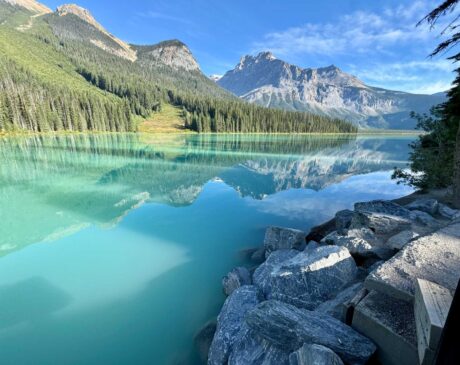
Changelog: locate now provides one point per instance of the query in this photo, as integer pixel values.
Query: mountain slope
(271, 82)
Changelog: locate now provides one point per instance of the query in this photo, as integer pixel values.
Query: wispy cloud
(358, 32)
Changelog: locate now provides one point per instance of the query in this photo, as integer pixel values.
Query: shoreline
(344, 278)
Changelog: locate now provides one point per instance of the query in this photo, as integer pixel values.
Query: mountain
(271, 82)
(63, 70)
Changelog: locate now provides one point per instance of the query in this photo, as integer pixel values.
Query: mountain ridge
(266, 80)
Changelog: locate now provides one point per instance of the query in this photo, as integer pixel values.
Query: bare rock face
(229, 322)
(289, 327)
(278, 238)
(359, 241)
(172, 53)
(236, 278)
(31, 5)
(434, 257)
(311, 354)
(429, 206)
(310, 278)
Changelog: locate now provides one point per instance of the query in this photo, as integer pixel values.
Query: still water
(112, 247)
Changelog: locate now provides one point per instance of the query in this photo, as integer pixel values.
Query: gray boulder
(343, 220)
(261, 277)
(229, 322)
(399, 240)
(380, 223)
(424, 219)
(312, 354)
(289, 327)
(203, 340)
(447, 212)
(310, 278)
(434, 257)
(334, 307)
(250, 349)
(359, 242)
(236, 278)
(278, 238)
(258, 256)
(311, 246)
(426, 205)
(383, 207)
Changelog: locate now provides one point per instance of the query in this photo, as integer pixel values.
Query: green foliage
(432, 156)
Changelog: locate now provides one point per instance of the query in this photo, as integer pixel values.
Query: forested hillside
(63, 71)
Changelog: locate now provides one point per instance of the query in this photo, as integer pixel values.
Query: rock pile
(345, 298)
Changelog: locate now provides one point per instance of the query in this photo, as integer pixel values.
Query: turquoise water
(112, 247)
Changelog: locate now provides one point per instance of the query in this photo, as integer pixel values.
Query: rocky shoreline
(342, 294)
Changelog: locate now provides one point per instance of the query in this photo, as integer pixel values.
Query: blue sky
(374, 40)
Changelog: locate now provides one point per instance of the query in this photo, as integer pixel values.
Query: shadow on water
(30, 301)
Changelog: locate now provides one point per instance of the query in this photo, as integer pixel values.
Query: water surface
(112, 246)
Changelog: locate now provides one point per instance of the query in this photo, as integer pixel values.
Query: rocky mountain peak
(115, 46)
(172, 53)
(31, 5)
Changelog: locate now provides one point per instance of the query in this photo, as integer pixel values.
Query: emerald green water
(112, 247)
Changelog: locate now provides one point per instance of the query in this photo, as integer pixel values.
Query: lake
(113, 246)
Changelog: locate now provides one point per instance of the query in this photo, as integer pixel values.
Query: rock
(447, 212)
(382, 206)
(358, 241)
(426, 205)
(236, 278)
(203, 340)
(250, 349)
(258, 256)
(380, 223)
(310, 278)
(375, 266)
(261, 277)
(349, 306)
(399, 240)
(312, 354)
(343, 220)
(277, 238)
(390, 324)
(424, 219)
(311, 246)
(334, 307)
(317, 233)
(431, 306)
(229, 322)
(434, 257)
(289, 327)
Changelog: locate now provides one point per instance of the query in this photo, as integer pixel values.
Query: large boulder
(426, 205)
(289, 327)
(434, 257)
(334, 307)
(399, 240)
(380, 223)
(236, 278)
(359, 241)
(251, 349)
(261, 276)
(424, 219)
(383, 207)
(343, 220)
(310, 278)
(448, 212)
(229, 322)
(312, 354)
(278, 238)
(203, 340)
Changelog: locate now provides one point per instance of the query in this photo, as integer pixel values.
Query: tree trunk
(456, 182)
